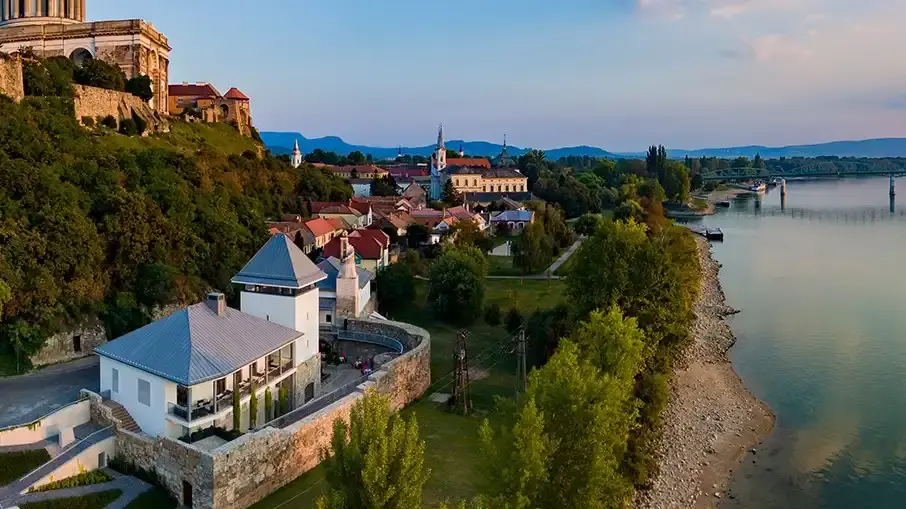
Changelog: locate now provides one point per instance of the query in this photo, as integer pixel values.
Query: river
(822, 340)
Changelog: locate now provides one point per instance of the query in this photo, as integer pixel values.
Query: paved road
(28, 397)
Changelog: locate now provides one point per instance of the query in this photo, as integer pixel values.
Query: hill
(282, 143)
(98, 224)
(880, 147)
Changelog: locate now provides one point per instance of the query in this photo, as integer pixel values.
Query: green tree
(533, 249)
(140, 86)
(457, 285)
(395, 287)
(758, 162)
(356, 158)
(98, 73)
(629, 210)
(513, 320)
(268, 404)
(237, 409)
(283, 396)
(376, 461)
(676, 182)
(253, 406)
(450, 195)
(383, 187)
(492, 314)
(5, 295)
(587, 224)
(417, 234)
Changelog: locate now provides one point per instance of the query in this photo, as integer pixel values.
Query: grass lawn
(453, 450)
(155, 498)
(14, 465)
(219, 137)
(502, 266)
(98, 500)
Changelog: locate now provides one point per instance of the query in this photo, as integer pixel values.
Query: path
(71, 451)
(130, 486)
(28, 397)
(549, 273)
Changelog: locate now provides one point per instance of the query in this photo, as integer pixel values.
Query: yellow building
(487, 180)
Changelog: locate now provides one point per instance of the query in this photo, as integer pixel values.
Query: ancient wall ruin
(74, 343)
(11, 77)
(97, 103)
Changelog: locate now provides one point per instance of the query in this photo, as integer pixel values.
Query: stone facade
(133, 45)
(75, 343)
(11, 77)
(97, 103)
(309, 372)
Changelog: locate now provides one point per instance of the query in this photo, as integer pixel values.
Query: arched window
(507, 188)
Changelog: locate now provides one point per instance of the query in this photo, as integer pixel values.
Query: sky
(617, 74)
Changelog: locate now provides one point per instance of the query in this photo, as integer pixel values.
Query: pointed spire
(440, 136)
(461, 151)
(296, 146)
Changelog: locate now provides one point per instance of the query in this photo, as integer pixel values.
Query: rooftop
(279, 263)
(234, 93)
(331, 267)
(196, 344)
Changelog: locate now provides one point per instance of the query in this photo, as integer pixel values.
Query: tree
(533, 249)
(758, 162)
(283, 395)
(587, 224)
(452, 154)
(253, 406)
(451, 196)
(416, 235)
(676, 182)
(513, 320)
(656, 162)
(268, 404)
(383, 186)
(237, 416)
(353, 173)
(356, 158)
(98, 73)
(456, 288)
(140, 86)
(395, 287)
(467, 233)
(376, 461)
(492, 314)
(629, 210)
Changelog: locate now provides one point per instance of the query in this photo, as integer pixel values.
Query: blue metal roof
(331, 267)
(279, 263)
(514, 215)
(196, 344)
(327, 303)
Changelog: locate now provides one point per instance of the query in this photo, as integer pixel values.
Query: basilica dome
(41, 12)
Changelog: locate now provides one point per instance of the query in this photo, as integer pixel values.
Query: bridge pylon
(893, 187)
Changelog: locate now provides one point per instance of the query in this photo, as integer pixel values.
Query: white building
(178, 374)
(296, 158)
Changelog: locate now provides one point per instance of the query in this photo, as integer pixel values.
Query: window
(327, 319)
(220, 386)
(77, 344)
(115, 380)
(144, 392)
(182, 396)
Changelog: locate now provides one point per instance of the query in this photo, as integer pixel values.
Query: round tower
(41, 12)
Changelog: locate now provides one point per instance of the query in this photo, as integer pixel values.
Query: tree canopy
(457, 287)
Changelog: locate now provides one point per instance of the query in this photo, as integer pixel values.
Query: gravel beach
(711, 422)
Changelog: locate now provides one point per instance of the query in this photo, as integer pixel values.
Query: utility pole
(462, 399)
(521, 377)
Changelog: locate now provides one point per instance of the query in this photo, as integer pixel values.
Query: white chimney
(216, 301)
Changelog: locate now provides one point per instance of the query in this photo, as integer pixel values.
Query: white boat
(758, 187)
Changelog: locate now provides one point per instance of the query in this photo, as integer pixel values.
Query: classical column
(84, 10)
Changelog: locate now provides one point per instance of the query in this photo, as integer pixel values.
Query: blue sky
(618, 74)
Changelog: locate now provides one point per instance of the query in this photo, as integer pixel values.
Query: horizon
(709, 73)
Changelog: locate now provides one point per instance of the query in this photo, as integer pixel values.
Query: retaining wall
(52, 424)
(61, 347)
(85, 461)
(97, 103)
(11, 83)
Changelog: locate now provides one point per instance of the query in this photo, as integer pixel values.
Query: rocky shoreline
(711, 421)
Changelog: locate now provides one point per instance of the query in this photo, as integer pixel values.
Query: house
(204, 102)
(371, 252)
(179, 374)
(364, 207)
(354, 213)
(396, 220)
(462, 213)
(416, 195)
(321, 230)
(513, 221)
(510, 204)
(378, 235)
(335, 270)
(293, 226)
(438, 222)
(353, 171)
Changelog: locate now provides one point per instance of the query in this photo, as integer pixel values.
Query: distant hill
(282, 143)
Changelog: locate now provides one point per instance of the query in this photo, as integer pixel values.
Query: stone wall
(97, 103)
(11, 77)
(61, 347)
(306, 373)
(256, 464)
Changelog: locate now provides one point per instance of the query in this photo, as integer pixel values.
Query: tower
(438, 163)
(296, 158)
(462, 153)
(347, 281)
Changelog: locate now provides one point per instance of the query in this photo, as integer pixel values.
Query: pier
(708, 233)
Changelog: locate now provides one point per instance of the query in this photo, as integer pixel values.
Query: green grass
(98, 500)
(14, 465)
(453, 451)
(83, 479)
(185, 136)
(155, 498)
(502, 266)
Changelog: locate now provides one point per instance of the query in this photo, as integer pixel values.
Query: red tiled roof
(319, 227)
(234, 93)
(337, 223)
(361, 205)
(382, 238)
(468, 161)
(408, 172)
(318, 206)
(193, 90)
(366, 247)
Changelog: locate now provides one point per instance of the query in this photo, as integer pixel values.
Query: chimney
(217, 302)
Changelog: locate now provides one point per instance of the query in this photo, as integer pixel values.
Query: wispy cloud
(663, 10)
(732, 8)
(778, 47)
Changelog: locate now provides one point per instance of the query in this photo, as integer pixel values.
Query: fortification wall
(97, 103)
(256, 464)
(11, 84)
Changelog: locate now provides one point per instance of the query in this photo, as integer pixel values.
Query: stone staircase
(121, 416)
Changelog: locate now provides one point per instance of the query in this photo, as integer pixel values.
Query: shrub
(284, 400)
(513, 320)
(88, 121)
(128, 127)
(492, 315)
(90, 501)
(212, 431)
(97, 73)
(109, 121)
(237, 409)
(14, 465)
(253, 408)
(83, 479)
(140, 125)
(268, 404)
(140, 86)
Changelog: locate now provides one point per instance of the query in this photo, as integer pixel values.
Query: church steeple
(296, 159)
(440, 137)
(461, 151)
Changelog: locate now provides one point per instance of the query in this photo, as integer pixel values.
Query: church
(59, 28)
(475, 177)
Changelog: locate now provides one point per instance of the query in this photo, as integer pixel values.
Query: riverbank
(712, 422)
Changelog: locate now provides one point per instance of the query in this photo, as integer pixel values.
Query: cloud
(732, 8)
(663, 10)
(778, 47)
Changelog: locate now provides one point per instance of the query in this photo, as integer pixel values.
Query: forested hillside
(94, 223)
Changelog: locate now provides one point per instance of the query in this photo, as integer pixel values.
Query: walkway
(68, 453)
(549, 273)
(130, 486)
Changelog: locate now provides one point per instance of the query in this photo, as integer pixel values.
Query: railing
(367, 337)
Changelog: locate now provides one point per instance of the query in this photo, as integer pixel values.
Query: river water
(821, 283)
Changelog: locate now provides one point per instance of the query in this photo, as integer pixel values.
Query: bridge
(806, 171)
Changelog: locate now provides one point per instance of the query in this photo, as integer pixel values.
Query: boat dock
(708, 233)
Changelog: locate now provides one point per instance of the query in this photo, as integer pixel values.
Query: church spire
(503, 153)
(440, 136)
(296, 159)
(461, 151)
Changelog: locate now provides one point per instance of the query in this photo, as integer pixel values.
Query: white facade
(364, 297)
(123, 381)
(298, 312)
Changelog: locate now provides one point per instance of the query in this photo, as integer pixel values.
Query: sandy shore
(711, 422)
